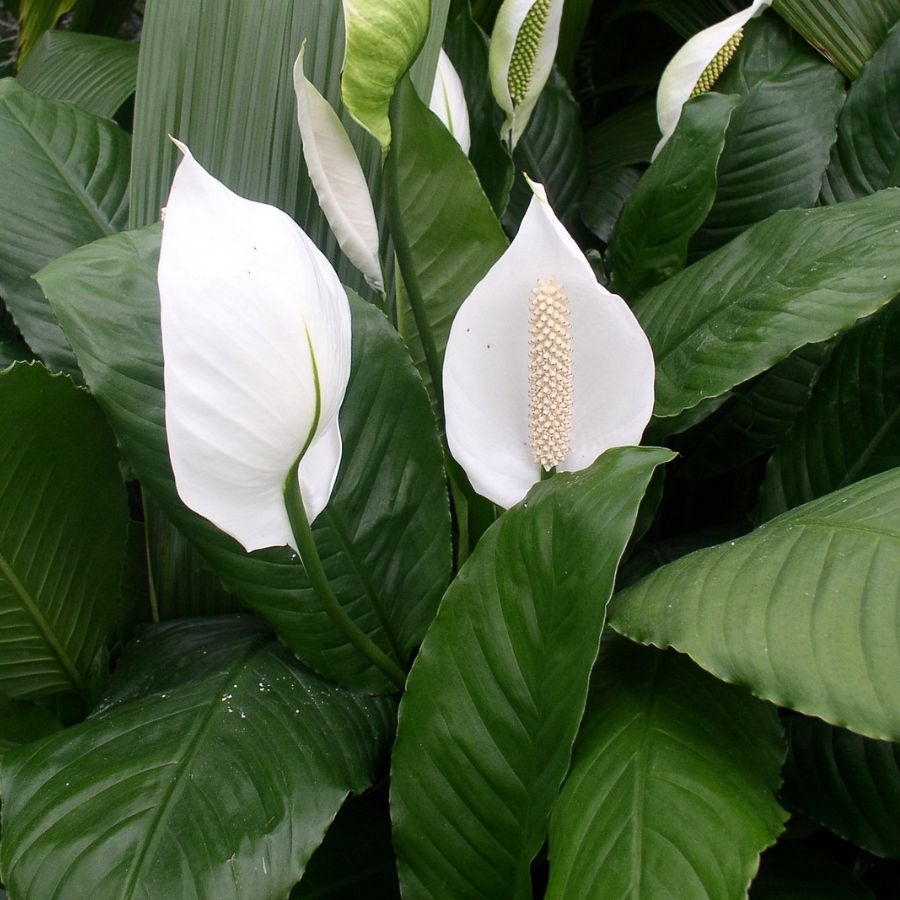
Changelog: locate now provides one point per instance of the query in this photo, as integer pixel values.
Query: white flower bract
(519, 390)
(256, 347)
(448, 102)
(683, 72)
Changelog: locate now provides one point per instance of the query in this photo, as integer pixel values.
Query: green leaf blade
(800, 277)
(62, 534)
(665, 793)
(494, 698)
(802, 611)
(132, 803)
(63, 183)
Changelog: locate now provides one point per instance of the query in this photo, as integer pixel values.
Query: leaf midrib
(43, 627)
(177, 784)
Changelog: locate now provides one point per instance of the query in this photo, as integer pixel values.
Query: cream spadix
(256, 348)
(448, 102)
(544, 367)
(696, 66)
(337, 177)
(523, 46)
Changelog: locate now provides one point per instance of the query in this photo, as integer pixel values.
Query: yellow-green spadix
(544, 367)
(256, 348)
(523, 45)
(696, 66)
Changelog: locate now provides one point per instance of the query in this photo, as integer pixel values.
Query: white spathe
(337, 176)
(448, 102)
(486, 364)
(256, 350)
(507, 25)
(685, 68)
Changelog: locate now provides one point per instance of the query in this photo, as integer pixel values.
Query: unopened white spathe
(606, 391)
(448, 102)
(256, 348)
(685, 68)
(523, 46)
(337, 176)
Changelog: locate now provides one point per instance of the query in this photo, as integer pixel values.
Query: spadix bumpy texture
(544, 367)
(256, 348)
(523, 45)
(696, 67)
(448, 102)
(337, 176)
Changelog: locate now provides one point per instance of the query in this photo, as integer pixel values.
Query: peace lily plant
(696, 67)
(305, 595)
(545, 369)
(255, 330)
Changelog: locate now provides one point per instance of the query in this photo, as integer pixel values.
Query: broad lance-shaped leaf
(803, 610)
(850, 428)
(650, 241)
(383, 37)
(22, 723)
(798, 278)
(495, 696)
(385, 536)
(777, 145)
(849, 783)
(444, 246)
(671, 791)
(63, 183)
(211, 769)
(97, 74)
(866, 156)
(62, 534)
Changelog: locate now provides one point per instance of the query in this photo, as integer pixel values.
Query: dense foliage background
(179, 718)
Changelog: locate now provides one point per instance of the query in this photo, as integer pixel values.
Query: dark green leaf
(866, 156)
(62, 533)
(63, 183)
(12, 346)
(211, 769)
(802, 611)
(445, 244)
(690, 16)
(22, 723)
(605, 197)
(96, 74)
(849, 783)
(851, 427)
(385, 537)
(756, 415)
(626, 138)
(35, 17)
(495, 696)
(666, 795)
(650, 241)
(780, 136)
(551, 152)
(467, 47)
(848, 32)
(798, 278)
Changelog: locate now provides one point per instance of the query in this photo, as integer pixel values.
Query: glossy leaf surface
(666, 795)
(494, 698)
(802, 610)
(798, 278)
(211, 768)
(385, 536)
(849, 783)
(96, 74)
(850, 428)
(650, 241)
(62, 533)
(63, 183)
